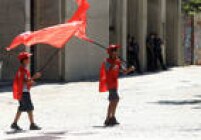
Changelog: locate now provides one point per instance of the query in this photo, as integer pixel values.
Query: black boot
(34, 127)
(14, 126)
(164, 68)
(113, 121)
(107, 122)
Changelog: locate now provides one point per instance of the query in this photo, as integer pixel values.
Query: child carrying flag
(21, 91)
(109, 73)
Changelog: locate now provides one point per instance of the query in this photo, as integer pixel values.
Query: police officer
(134, 47)
(150, 43)
(158, 53)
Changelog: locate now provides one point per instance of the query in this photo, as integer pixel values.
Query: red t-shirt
(112, 72)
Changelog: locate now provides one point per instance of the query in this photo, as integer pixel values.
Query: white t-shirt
(25, 89)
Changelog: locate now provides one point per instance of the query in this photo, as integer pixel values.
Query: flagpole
(49, 60)
(103, 47)
(58, 50)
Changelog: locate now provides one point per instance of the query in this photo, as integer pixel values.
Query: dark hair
(21, 61)
(114, 50)
(128, 36)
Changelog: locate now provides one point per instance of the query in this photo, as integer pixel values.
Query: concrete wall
(132, 17)
(161, 16)
(118, 15)
(83, 59)
(157, 20)
(12, 23)
(137, 25)
(173, 33)
(153, 16)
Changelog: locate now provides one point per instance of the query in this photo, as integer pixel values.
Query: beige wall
(83, 59)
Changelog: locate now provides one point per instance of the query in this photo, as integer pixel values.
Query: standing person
(150, 52)
(21, 91)
(129, 50)
(158, 53)
(109, 82)
(135, 53)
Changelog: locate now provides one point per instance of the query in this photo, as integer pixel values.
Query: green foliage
(191, 7)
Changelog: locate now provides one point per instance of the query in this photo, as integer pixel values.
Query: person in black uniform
(158, 53)
(135, 49)
(150, 43)
(129, 50)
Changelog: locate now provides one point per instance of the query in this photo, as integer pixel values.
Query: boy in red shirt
(21, 91)
(109, 81)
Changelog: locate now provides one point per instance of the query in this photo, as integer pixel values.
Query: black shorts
(25, 104)
(113, 95)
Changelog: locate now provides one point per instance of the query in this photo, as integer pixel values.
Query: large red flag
(55, 36)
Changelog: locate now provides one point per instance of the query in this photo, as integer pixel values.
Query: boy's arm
(127, 71)
(28, 80)
(31, 80)
(36, 76)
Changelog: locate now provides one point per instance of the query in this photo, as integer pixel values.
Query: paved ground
(165, 106)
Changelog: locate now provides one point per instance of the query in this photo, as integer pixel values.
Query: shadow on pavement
(5, 89)
(135, 74)
(198, 96)
(37, 138)
(174, 102)
(192, 130)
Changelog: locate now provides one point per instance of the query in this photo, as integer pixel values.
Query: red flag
(79, 2)
(81, 15)
(55, 36)
(103, 79)
(81, 33)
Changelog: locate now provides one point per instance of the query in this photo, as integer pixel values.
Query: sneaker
(34, 127)
(14, 126)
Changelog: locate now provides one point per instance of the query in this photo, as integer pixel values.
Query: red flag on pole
(57, 35)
